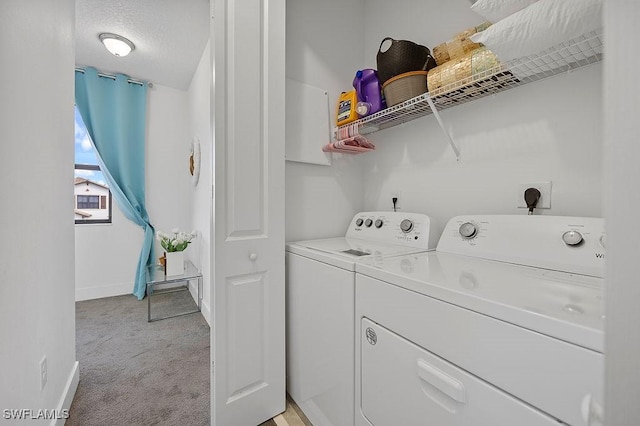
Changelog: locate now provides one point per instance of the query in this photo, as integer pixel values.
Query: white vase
(174, 263)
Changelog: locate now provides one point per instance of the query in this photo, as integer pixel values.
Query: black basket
(401, 57)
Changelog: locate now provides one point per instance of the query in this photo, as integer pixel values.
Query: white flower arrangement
(176, 241)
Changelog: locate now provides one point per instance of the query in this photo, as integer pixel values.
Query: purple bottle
(369, 92)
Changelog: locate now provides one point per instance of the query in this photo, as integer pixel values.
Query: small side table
(158, 283)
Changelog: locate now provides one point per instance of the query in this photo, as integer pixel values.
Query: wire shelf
(564, 57)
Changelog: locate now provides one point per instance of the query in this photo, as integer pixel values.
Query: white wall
(622, 150)
(199, 111)
(169, 190)
(320, 200)
(546, 131)
(107, 255)
(37, 312)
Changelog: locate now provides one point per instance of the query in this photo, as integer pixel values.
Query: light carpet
(133, 372)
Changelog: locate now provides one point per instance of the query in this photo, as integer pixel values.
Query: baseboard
(206, 312)
(88, 293)
(204, 308)
(69, 392)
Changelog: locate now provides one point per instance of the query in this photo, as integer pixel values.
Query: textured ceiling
(169, 35)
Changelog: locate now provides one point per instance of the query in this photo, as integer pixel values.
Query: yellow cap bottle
(347, 108)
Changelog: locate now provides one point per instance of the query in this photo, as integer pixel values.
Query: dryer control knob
(468, 230)
(406, 226)
(603, 240)
(379, 223)
(572, 238)
(368, 223)
(359, 222)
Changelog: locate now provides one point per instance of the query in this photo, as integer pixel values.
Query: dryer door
(404, 384)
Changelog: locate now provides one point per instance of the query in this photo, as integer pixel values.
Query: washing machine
(501, 325)
(320, 307)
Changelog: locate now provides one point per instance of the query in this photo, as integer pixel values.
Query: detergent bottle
(369, 92)
(347, 108)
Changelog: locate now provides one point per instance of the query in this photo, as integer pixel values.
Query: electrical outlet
(396, 194)
(545, 194)
(43, 372)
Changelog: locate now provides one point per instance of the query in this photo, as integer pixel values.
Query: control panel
(401, 228)
(562, 243)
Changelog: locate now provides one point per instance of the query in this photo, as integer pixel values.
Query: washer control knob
(572, 238)
(468, 230)
(379, 223)
(406, 226)
(368, 223)
(359, 222)
(603, 240)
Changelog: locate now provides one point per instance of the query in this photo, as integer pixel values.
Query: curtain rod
(113, 77)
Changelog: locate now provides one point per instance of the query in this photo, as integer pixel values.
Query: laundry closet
(474, 158)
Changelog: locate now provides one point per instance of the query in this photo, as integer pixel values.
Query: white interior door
(247, 340)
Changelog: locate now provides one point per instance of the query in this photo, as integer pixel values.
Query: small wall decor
(194, 161)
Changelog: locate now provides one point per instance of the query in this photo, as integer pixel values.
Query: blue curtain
(114, 112)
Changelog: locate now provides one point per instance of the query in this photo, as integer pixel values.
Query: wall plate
(545, 194)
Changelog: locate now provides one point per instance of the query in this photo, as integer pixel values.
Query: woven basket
(401, 57)
(461, 70)
(404, 86)
(458, 46)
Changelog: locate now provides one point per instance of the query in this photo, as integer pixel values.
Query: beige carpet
(133, 372)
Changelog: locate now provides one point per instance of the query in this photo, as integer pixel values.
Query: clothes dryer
(502, 324)
(320, 307)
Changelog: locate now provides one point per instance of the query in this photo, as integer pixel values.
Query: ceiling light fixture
(117, 45)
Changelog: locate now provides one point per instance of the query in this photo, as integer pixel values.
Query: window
(88, 202)
(92, 195)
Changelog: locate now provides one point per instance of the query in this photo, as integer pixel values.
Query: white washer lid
(563, 305)
(345, 252)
